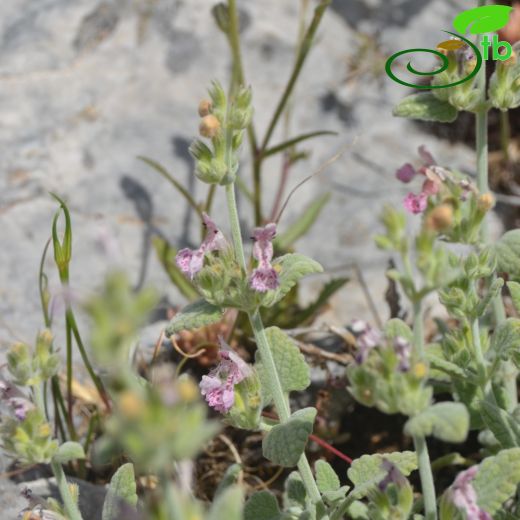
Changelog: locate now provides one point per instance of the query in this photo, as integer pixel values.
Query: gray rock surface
(87, 86)
(91, 497)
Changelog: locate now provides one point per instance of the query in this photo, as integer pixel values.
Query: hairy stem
(70, 506)
(425, 473)
(421, 448)
(280, 400)
(483, 185)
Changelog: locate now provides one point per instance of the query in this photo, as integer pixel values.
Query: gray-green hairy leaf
(426, 107)
(326, 477)
(292, 267)
(504, 426)
(497, 479)
(448, 422)
(69, 451)
(514, 289)
(398, 328)
(229, 478)
(508, 253)
(193, 316)
(285, 443)
(505, 340)
(228, 505)
(293, 371)
(367, 471)
(121, 491)
(262, 506)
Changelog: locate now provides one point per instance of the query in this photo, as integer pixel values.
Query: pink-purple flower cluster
(367, 338)
(464, 496)
(264, 277)
(413, 203)
(15, 399)
(191, 261)
(218, 387)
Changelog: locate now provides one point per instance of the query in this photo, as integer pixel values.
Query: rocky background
(86, 86)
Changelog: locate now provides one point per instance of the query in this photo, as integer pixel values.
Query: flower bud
(485, 202)
(440, 218)
(209, 126)
(205, 107)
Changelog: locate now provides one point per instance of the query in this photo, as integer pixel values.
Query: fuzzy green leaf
(122, 489)
(292, 267)
(69, 451)
(497, 479)
(295, 494)
(508, 253)
(396, 327)
(293, 371)
(504, 426)
(514, 289)
(230, 478)
(426, 107)
(228, 505)
(505, 340)
(326, 477)
(193, 316)
(367, 471)
(262, 506)
(285, 443)
(448, 422)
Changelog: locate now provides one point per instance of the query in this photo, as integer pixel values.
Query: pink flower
(415, 203)
(15, 399)
(406, 173)
(464, 496)
(264, 277)
(403, 349)
(218, 386)
(430, 187)
(426, 157)
(367, 338)
(191, 261)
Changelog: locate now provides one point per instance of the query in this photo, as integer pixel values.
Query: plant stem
(421, 448)
(239, 76)
(71, 320)
(483, 186)
(70, 506)
(425, 473)
(280, 400)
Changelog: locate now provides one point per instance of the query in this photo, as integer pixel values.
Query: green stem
(418, 329)
(280, 400)
(426, 475)
(71, 320)
(421, 448)
(71, 507)
(239, 77)
(483, 186)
